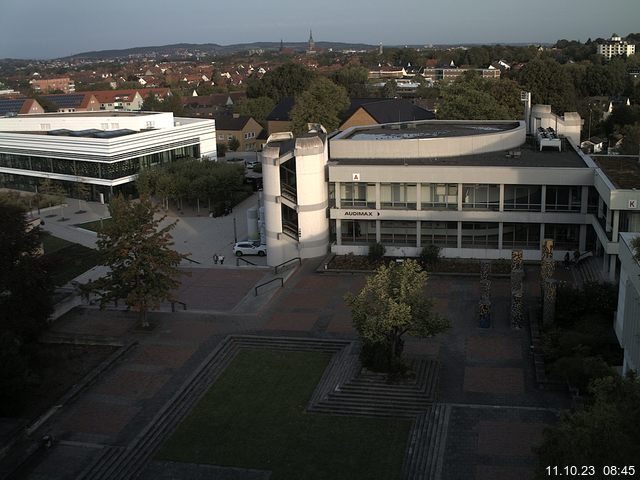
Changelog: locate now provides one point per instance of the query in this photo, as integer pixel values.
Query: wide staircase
(588, 270)
(347, 389)
(117, 462)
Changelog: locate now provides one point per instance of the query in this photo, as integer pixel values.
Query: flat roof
(100, 113)
(529, 156)
(428, 129)
(622, 171)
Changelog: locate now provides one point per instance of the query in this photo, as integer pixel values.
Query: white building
(616, 46)
(105, 150)
(477, 189)
(627, 322)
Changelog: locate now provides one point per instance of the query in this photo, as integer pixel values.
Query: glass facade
(480, 235)
(521, 235)
(442, 234)
(481, 197)
(358, 195)
(358, 232)
(523, 197)
(439, 195)
(99, 169)
(398, 195)
(565, 237)
(563, 199)
(397, 232)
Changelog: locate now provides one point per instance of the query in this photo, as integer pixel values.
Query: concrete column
(582, 238)
(616, 225)
(600, 206)
(459, 234)
(541, 235)
(378, 232)
(612, 267)
(460, 195)
(378, 203)
(543, 203)
(418, 228)
(608, 221)
(501, 203)
(584, 202)
(337, 190)
(419, 196)
(338, 232)
(500, 231)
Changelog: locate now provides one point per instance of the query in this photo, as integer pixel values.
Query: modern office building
(105, 150)
(477, 189)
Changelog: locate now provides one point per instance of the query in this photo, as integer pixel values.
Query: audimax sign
(361, 213)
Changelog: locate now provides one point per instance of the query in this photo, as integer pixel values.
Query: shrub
(430, 255)
(376, 251)
(580, 371)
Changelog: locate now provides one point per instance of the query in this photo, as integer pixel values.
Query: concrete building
(477, 189)
(627, 321)
(64, 84)
(616, 46)
(105, 150)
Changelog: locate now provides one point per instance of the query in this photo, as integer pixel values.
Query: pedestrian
(215, 258)
(221, 258)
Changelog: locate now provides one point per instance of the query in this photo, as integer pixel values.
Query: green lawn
(253, 417)
(95, 225)
(66, 260)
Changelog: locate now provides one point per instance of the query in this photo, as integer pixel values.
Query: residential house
(376, 111)
(64, 84)
(19, 106)
(241, 127)
(616, 46)
(73, 102)
(279, 120)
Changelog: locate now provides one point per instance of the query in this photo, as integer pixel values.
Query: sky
(43, 29)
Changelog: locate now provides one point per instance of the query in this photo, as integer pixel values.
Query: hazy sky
(55, 28)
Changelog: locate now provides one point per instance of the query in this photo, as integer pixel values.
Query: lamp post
(235, 231)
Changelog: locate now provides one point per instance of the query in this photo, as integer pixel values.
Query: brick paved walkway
(486, 367)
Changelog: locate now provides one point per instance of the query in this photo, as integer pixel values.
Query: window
(563, 199)
(439, 195)
(229, 137)
(521, 235)
(479, 235)
(481, 197)
(565, 237)
(523, 197)
(398, 195)
(394, 232)
(358, 232)
(442, 234)
(357, 195)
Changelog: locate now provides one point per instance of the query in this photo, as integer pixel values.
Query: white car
(248, 248)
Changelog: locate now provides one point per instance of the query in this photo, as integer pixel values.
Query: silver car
(248, 248)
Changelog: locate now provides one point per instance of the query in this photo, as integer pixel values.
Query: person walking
(221, 258)
(215, 258)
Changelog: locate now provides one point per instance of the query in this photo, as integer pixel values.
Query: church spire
(312, 44)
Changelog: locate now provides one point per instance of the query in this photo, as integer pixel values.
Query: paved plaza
(486, 377)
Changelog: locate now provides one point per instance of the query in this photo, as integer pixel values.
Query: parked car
(250, 164)
(248, 248)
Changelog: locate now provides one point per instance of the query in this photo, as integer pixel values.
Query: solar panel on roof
(65, 101)
(11, 106)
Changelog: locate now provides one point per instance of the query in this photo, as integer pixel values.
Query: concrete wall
(343, 147)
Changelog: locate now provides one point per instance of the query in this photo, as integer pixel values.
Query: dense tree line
(216, 186)
(25, 304)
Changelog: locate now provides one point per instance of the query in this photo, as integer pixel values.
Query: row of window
(473, 196)
(109, 171)
(445, 234)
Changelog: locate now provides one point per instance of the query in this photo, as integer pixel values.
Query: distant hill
(213, 49)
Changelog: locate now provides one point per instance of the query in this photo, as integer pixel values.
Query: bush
(221, 149)
(430, 255)
(377, 357)
(574, 303)
(580, 371)
(376, 251)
